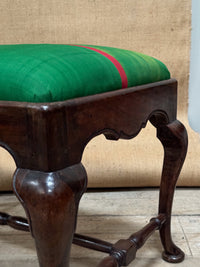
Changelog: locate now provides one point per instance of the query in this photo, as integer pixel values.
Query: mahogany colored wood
(51, 202)
(174, 139)
(51, 136)
(22, 224)
(109, 261)
(92, 243)
(17, 223)
(47, 141)
(124, 250)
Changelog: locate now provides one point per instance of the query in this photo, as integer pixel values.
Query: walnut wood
(47, 141)
(141, 236)
(51, 136)
(138, 238)
(51, 201)
(20, 223)
(17, 223)
(92, 243)
(174, 139)
(124, 250)
(109, 261)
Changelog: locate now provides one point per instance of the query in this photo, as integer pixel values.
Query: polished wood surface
(47, 141)
(174, 139)
(51, 136)
(51, 202)
(103, 215)
(124, 251)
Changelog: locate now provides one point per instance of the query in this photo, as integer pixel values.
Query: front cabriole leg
(51, 202)
(174, 140)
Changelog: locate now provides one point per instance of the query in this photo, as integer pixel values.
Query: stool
(54, 100)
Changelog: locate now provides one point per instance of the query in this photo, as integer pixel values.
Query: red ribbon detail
(119, 67)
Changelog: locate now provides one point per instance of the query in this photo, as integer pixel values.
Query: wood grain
(47, 141)
(160, 29)
(109, 223)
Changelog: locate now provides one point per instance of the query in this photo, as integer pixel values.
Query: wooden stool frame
(47, 141)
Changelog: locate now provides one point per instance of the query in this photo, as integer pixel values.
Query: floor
(104, 215)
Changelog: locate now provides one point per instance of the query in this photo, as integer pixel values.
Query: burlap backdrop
(155, 27)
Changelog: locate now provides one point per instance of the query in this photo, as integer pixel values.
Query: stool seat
(47, 138)
(50, 72)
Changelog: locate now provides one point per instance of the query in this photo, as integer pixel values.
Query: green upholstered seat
(49, 72)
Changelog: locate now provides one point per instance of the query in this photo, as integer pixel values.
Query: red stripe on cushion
(119, 67)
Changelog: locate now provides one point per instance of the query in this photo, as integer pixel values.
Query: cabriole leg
(174, 139)
(51, 202)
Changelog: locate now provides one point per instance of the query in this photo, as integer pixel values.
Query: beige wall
(156, 27)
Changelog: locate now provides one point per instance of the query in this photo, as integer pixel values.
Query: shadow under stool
(54, 100)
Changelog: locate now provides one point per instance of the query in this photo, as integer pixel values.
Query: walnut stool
(54, 100)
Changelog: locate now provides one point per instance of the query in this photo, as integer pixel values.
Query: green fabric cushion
(49, 72)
